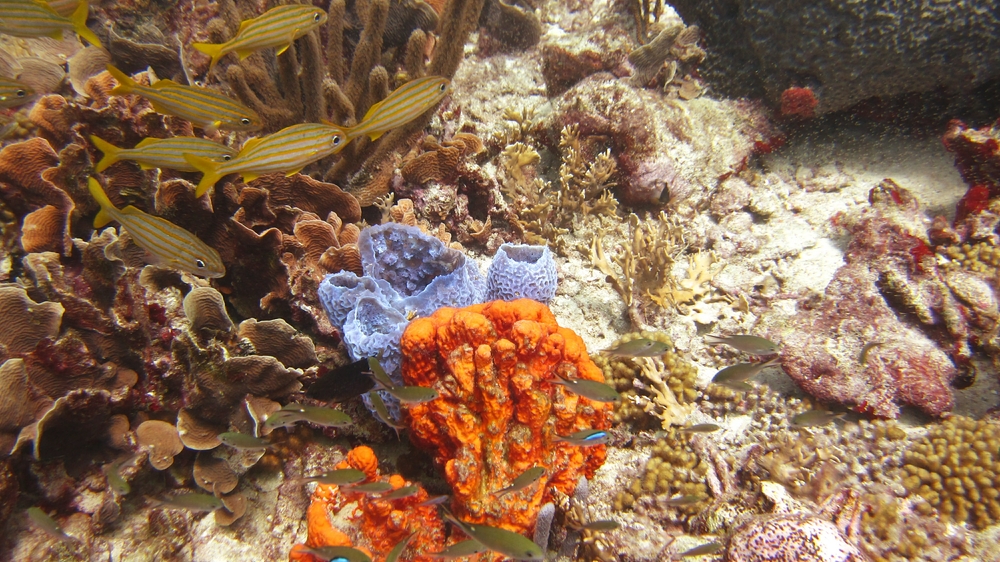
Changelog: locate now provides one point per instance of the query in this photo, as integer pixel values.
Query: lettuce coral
(498, 413)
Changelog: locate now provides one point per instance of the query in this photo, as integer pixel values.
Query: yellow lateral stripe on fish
(288, 151)
(166, 243)
(277, 27)
(14, 93)
(163, 153)
(403, 105)
(37, 19)
(200, 106)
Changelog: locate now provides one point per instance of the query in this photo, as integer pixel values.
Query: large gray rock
(847, 50)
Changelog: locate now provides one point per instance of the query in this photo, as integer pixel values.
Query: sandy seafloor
(799, 251)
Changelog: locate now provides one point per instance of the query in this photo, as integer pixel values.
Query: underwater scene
(485, 280)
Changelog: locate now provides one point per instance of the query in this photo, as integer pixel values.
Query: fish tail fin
(125, 83)
(97, 192)
(79, 19)
(213, 50)
(111, 153)
(209, 170)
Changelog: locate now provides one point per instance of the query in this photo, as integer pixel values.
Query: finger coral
(498, 414)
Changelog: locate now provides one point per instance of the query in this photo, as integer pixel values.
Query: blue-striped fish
(166, 243)
(201, 106)
(403, 105)
(37, 19)
(163, 153)
(288, 151)
(277, 27)
(14, 93)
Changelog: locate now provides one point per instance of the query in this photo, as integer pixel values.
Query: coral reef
(498, 414)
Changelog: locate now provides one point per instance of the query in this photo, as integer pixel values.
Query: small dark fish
(343, 383)
(435, 500)
(863, 356)
(701, 428)
(596, 391)
(586, 437)
(340, 477)
(337, 553)
(413, 394)
(815, 418)
(191, 502)
(399, 548)
(527, 478)
(318, 415)
(741, 372)
(371, 488)
(400, 493)
(378, 373)
(679, 501)
(499, 540)
(238, 440)
(639, 347)
(747, 344)
(600, 526)
(460, 550)
(46, 523)
(709, 548)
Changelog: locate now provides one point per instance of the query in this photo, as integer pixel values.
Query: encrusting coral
(498, 414)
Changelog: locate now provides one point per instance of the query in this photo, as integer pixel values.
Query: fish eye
(245, 121)
(226, 158)
(21, 93)
(336, 140)
(199, 264)
(316, 17)
(442, 87)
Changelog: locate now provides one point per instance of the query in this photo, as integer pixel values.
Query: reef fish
(287, 151)
(238, 440)
(412, 394)
(36, 19)
(371, 488)
(600, 526)
(526, 478)
(586, 437)
(191, 502)
(201, 106)
(343, 383)
(401, 493)
(747, 344)
(378, 373)
(679, 501)
(397, 550)
(327, 417)
(596, 391)
(505, 542)
(14, 93)
(815, 418)
(46, 523)
(166, 243)
(282, 418)
(115, 480)
(701, 428)
(863, 356)
(639, 347)
(383, 413)
(339, 477)
(277, 27)
(708, 548)
(460, 550)
(162, 153)
(404, 104)
(741, 372)
(337, 553)
(435, 500)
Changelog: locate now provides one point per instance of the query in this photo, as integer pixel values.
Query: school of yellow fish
(287, 151)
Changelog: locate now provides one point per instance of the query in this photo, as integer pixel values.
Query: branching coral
(498, 414)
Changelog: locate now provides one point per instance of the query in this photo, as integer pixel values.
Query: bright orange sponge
(498, 415)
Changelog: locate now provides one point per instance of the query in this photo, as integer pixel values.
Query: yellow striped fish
(163, 153)
(37, 19)
(289, 150)
(63, 7)
(403, 105)
(14, 93)
(166, 243)
(200, 106)
(277, 27)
